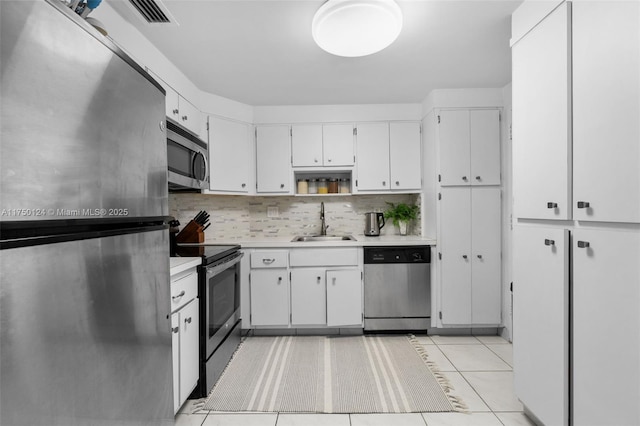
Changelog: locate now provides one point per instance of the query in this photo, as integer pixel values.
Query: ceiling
(261, 52)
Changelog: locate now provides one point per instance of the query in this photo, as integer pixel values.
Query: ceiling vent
(153, 11)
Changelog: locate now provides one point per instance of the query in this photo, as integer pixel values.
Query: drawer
(269, 259)
(183, 290)
(324, 257)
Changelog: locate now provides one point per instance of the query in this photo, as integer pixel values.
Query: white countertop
(361, 241)
(181, 264)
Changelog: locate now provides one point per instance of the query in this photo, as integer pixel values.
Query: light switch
(273, 211)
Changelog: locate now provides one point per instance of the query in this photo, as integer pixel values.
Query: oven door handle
(219, 267)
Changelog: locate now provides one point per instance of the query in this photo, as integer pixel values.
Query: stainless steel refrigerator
(84, 260)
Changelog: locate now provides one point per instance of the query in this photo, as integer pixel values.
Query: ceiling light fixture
(354, 28)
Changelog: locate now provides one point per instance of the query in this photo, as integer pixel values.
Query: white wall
(335, 113)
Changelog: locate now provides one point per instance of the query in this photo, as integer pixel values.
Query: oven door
(222, 300)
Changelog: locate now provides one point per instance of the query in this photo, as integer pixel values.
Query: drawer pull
(549, 242)
(583, 204)
(583, 244)
(187, 320)
(464, 256)
(268, 261)
(551, 205)
(182, 293)
(175, 329)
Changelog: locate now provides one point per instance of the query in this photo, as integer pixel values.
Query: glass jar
(333, 186)
(345, 186)
(303, 186)
(313, 186)
(322, 186)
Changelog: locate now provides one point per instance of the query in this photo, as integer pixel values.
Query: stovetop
(208, 252)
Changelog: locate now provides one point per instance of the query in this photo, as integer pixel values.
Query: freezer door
(84, 333)
(82, 129)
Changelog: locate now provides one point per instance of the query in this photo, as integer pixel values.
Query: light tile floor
(479, 368)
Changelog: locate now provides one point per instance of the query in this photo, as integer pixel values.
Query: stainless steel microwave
(187, 158)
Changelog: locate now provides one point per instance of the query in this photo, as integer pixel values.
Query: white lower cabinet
(590, 360)
(606, 327)
(307, 287)
(270, 297)
(344, 297)
(469, 255)
(541, 321)
(185, 336)
(308, 296)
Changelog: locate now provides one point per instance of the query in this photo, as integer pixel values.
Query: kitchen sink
(309, 238)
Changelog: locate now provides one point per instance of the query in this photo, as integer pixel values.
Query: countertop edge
(181, 264)
(361, 241)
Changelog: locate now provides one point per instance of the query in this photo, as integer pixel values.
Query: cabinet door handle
(182, 293)
(184, 118)
(551, 205)
(268, 261)
(397, 183)
(328, 160)
(384, 183)
(549, 242)
(175, 112)
(187, 320)
(282, 185)
(583, 204)
(478, 178)
(464, 178)
(583, 244)
(175, 329)
(464, 256)
(479, 256)
(279, 280)
(315, 160)
(319, 279)
(244, 185)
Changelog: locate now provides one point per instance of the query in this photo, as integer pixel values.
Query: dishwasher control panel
(397, 254)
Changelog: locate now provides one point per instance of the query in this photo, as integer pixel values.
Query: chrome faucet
(323, 225)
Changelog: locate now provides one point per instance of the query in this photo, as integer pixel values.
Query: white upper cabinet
(181, 110)
(230, 156)
(322, 145)
(389, 156)
(405, 156)
(273, 164)
(606, 111)
(372, 146)
(541, 120)
(306, 145)
(338, 144)
(469, 143)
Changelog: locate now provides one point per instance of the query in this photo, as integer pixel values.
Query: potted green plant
(401, 214)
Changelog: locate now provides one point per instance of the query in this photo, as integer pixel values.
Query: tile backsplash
(235, 217)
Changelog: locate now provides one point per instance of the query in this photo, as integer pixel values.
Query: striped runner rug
(332, 374)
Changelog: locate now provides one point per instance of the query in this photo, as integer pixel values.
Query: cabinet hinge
(439, 256)
(289, 276)
(207, 126)
(249, 278)
(361, 275)
(354, 159)
(290, 317)
(255, 132)
(356, 183)
(438, 119)
(439, 178)
(291, 131)
(439, 196)
(440, 314)
(355, 131)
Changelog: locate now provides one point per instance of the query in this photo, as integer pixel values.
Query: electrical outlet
(273, 211)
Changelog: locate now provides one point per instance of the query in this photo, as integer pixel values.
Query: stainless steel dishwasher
(397, 288)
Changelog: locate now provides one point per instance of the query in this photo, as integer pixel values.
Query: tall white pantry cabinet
(576, 171)
(466, 145)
